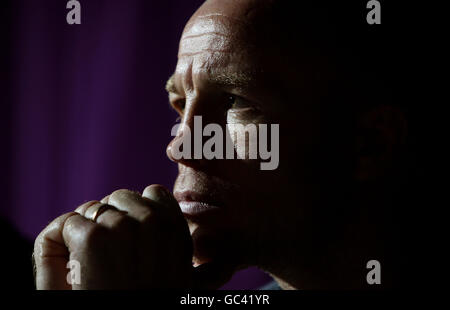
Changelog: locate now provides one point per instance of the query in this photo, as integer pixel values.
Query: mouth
(196, 206)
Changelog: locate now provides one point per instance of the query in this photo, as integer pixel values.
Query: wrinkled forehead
(213, 33)
(215, 43)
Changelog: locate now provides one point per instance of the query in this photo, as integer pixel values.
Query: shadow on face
(259, 62)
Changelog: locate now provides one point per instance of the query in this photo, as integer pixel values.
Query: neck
(329, 256)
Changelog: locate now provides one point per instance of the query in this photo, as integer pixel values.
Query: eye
(179, 105)
(236, 102)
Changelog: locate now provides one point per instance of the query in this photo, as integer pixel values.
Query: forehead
(206, 35)
(215, 43)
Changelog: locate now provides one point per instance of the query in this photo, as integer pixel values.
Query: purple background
(84, 106)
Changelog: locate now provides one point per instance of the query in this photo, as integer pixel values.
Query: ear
(382, 131)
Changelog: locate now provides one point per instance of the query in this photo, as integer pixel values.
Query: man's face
(224, 75)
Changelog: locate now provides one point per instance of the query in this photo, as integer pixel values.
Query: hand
(139, 242)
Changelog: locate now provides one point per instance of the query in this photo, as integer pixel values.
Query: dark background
(84, 111)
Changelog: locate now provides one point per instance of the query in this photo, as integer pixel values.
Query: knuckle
(148, 188)
(53, 229)
(40, 239)
(94, 236)
(155, 189)
(81, 209)
(119, 193)
(38, 242)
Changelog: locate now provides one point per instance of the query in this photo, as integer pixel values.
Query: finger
(51, 256)
(166, 203)
(105, 199)
(95, 211)
(85, 206)
(159, 194)
(112, 218)
(151, 237)
(108, 216)
(89, 247)
(180, 241)
(82, 208)
(79, 232)
(133, 203)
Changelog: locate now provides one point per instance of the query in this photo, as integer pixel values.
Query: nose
(198, 113)
(175, 153)
(180, 149)
(171, 149)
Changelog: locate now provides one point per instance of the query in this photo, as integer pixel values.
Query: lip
(194, 205)
(195, 208)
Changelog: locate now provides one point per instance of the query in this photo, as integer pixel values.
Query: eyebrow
(170, 85)
(235, 79)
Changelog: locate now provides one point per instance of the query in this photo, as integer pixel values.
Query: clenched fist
(124, 241)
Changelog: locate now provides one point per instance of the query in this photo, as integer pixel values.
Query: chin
(207, 242)
(217, 242)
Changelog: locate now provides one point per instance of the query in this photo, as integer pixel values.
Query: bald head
(243, 11)
(302, 43)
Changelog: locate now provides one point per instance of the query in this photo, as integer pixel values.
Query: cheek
(243, 128)
(244, 138)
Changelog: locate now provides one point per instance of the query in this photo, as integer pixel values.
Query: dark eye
(236, 102)
(180, 105)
